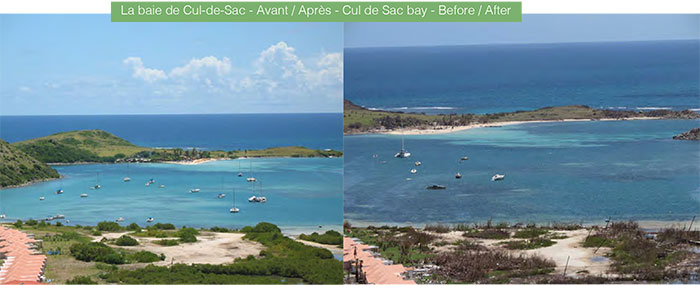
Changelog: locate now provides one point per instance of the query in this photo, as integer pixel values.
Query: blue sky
(533, 29)
(84, 64)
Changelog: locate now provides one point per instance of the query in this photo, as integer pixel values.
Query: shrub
(489, 233)
(108, 226)
(144, 257)
(167, 242)
(126, 240)
(31, 222)
(219, 230)
(18, 224)
(438, 228)
(530, 233)
(167, 226)
(133, 227)
(329, 237)
(95, 251)
(81, 280)
(188, 237)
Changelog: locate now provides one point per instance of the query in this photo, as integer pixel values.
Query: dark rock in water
(692, 135)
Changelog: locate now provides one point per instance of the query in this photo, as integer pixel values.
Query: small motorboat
(414, 171)
(253, 199)
(375, 155)
(49, 218)
(148, 184)
(240, 174)
(436, 187)
(194, 190)
(42, 198)
(234, 210)
(498, 177)
(84, 195)
(464, 158)
(2, 216)
(458, 175)
(162, 186)
(251, 179)
(150, 219)
(59, 191)
(96, 187)
(127, 179)
(221, 196)
(120, 219)
(409, 178)
(59, 216)
(418, 163)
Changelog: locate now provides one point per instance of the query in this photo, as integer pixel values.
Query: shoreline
(451, 129)
(644, 224)
(29, 183)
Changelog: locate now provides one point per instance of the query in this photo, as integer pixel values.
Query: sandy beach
(196, 161)
(210, 248)
(450, 129)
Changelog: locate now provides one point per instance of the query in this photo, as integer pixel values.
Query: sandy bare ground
(580, 258)
(450, 129)
(333, 248)
(210, 248)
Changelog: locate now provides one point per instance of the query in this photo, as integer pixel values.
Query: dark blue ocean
(501, 78)
(212, 132)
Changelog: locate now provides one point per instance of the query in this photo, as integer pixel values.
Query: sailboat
(498, 177)
(150, 182)
(402, 153)
(239, 169)
(97, 186)
(2, 216)
(150, 219)
(261, 198)
(234, 210)
(221, 194)
(127, 178)
(251, 178)
(84, 195)
(120, 219)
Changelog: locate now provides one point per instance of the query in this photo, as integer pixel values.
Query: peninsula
(358, 120)
(26, 161)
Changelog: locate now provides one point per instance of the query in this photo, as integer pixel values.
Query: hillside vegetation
(17, 167)
(79, 146)
(101, 146)
(357, 119)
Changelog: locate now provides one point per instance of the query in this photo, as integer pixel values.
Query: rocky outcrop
(692, 135)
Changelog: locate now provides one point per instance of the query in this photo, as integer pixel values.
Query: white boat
(59, 216)
(162, 186)
(42, 198)
(414, 171)
(194, 190)
(233, 209)
(2, 216)
(240, 174)
(251, 178)
(418, 163)
(83, 195)
(120, 219)
(127, 179)
(96, 187)
(458, 175)
(402, 153)
(498, 177)
(253, 199)
(464, 158)
(261, 198)
(221, 196)
(59, 191)
(150, 219)
(409, 179)
(148, 184)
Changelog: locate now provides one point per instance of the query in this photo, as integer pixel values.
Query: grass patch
(528, 233)
(491, 233)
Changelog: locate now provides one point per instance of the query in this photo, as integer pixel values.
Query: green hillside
(16, 167)
(79, 146)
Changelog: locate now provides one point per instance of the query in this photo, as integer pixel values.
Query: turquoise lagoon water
(302, 193)
(555, 172)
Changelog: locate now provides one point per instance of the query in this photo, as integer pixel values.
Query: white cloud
(24, 89)
(197, 66)
(142, 72)
(277, 76)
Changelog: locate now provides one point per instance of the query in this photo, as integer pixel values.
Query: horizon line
(525, 43)
(171, 114)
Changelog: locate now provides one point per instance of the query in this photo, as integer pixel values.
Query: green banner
(316, 11)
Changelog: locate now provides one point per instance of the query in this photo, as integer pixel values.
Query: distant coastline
(360, 120)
